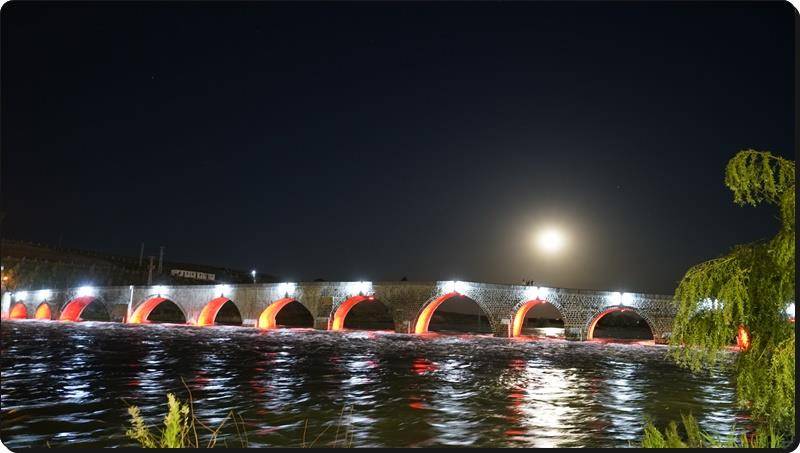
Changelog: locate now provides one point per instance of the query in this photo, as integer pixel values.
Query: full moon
(550, 240)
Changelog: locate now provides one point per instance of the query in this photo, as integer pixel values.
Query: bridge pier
(403, 326)
(321, 323)
(502, 329)
(661, 337)
(575, 333)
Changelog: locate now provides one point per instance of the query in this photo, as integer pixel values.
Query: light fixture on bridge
(286, 289)
(20, 295)
(790, 310)
(709, 304)
(159, 290)
(461, 287)
(358, 288)
(626, 299)
(543, 293)
(615, 298)
(85, 291)
(532, 292)
(456, 286)
(222, 289)
(44, 294)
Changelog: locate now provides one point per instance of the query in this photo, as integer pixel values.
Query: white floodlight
(20, 295)
(449, 287)
(222, 289)
(615, 298)
(358, 288)
(543, 293)
(160, 289)
(85, 291)
(790, 310)
(709, 304)
(44, 294)
(531, 292)
(455, 286)
(461, 287)
(626, 299)
(286, 289)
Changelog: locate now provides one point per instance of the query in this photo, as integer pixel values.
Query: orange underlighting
(267, 318)
(72, 311)
(141, 313)
(209, 313)
(519, 317)
(424, 318)
(43, 312)
(743, 338)
(18, 312)
(344, 308)
(590, 333)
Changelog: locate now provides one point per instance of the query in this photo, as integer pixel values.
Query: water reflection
(69, 384)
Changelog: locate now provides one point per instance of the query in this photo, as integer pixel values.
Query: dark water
(69, 383)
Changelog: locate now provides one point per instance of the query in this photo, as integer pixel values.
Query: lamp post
(253, 273)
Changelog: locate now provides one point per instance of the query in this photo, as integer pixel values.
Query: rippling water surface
(70, 383)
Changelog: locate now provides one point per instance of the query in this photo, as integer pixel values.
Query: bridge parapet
(411, 304)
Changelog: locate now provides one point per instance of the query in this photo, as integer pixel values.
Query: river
(70, 384)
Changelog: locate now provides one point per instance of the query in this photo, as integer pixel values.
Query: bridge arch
(339, 315)
(521, 311)
(268, 318)
(618, 308)
(74, 308)
(144, 309)
(43, 311)
(208, 315)
(423, 320)
(18, 311)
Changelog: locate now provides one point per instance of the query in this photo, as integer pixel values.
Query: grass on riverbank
(180, 429)
(697, 438)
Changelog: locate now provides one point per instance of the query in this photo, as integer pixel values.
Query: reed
(697, 438)
(182, 429)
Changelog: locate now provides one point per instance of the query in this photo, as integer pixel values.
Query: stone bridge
(411, 304)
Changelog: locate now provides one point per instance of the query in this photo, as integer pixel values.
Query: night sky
(373, 141)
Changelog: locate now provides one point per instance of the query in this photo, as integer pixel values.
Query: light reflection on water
(70, 383)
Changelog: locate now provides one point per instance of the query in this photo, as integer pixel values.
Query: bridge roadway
(411, 304)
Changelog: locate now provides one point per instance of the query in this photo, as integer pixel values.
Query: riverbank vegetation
(749, 291)
(697, 438)
(182, 429)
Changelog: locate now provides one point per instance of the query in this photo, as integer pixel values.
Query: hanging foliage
(751, 286)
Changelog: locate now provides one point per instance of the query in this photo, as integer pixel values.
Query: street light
(253, 273)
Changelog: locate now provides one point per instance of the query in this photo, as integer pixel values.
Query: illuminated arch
(619, 308)
(18, 311)
(139, 316)
(73, 309)
(522, 311)
(425, 315)
(267, 318)
(43, 312)
(340, 314)
(209, 313)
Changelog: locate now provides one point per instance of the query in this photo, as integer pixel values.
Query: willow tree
(749, 289)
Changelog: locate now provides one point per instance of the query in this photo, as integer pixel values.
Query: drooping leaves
(751, 286)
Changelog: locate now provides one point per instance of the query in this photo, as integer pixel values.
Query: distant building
(31, 265)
